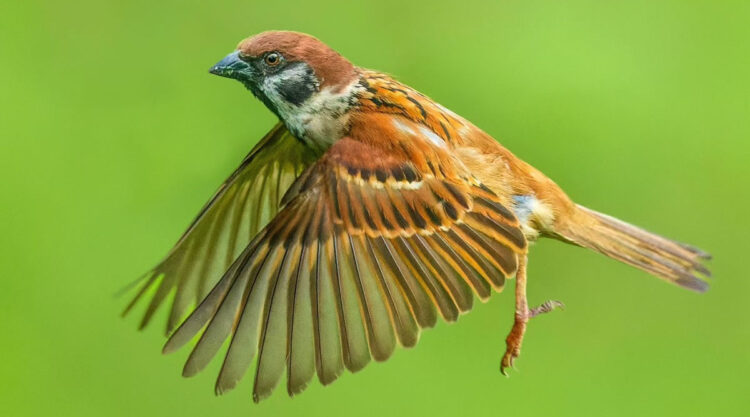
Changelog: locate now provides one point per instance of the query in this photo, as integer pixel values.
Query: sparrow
(368, 212)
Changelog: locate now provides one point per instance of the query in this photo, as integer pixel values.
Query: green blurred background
(113, 134)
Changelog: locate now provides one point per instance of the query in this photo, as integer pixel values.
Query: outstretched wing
(374, 244)
(241, 207)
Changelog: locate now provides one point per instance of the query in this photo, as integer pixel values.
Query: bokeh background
(113, 134)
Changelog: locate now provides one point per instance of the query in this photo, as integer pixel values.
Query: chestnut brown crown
(331, 69)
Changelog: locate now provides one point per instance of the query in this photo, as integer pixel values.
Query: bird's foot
(513, 342)
(546, 307)
(515, 337)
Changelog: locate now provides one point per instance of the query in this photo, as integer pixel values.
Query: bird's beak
(233, 67)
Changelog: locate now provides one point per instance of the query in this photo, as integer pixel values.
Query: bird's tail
(672, 261)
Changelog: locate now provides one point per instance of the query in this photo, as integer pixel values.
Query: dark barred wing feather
(355, 264)
(241, 207)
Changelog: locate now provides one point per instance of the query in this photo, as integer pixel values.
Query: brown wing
(242, 206)
(372, 248)
(383, 94)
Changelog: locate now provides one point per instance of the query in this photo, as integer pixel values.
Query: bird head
(286, 70)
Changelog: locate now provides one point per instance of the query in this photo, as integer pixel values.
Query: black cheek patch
(297, 90)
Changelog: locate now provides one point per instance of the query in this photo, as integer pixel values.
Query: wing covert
(371, 248)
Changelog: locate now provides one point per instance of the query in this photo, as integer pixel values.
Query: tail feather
(672, 261)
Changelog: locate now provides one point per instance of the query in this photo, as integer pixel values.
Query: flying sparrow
(368, 212)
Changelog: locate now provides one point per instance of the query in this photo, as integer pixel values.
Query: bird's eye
(273, 59)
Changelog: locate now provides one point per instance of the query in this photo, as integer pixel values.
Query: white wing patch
(435, 139)
(403, 126)
(424, 131)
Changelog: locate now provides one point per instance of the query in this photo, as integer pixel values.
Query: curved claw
(515, 337)
(512, 352)
(507, 362)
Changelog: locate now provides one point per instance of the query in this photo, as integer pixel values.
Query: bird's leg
(522, 316)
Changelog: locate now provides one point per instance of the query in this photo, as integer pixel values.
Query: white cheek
(271, 84)
(269, 88)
